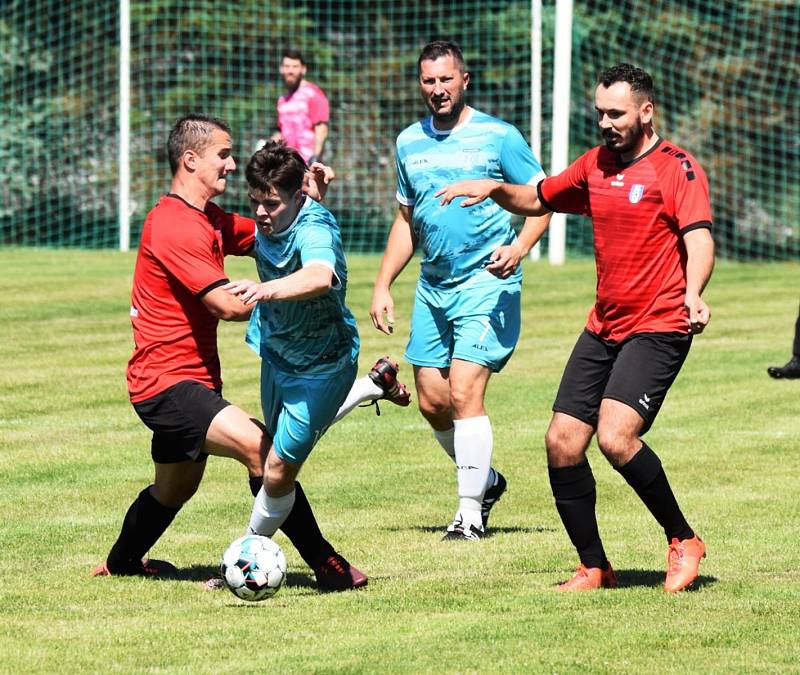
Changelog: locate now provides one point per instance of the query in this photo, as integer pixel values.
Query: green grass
(73, 455)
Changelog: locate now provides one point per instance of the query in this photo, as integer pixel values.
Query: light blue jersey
(457, 242)
(310, 337)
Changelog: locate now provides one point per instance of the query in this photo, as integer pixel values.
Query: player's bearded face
(621, 116)
(443, 85)
(292, 71)
(624, 140)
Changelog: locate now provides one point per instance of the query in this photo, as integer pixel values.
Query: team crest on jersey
(636, 193)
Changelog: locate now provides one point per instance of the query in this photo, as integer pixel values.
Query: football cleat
(147, 567)
(491, 495)
(683, 563)
(589, 578)
(384, 374)
(459, 531)
(790, 371)
(336, 574)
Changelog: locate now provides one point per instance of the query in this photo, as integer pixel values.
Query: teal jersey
(456, 242)
(304, 337)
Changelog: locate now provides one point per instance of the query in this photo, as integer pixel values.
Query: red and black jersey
(180, 259)
(639, 212)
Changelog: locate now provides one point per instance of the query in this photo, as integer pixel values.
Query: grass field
(73, 455)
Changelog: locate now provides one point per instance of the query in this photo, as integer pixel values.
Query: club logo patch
(636, 193)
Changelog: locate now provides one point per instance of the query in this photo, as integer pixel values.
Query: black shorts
(179, 418)
(638, 372)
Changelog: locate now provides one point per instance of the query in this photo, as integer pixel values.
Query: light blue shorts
(299, 410)
(476, 323)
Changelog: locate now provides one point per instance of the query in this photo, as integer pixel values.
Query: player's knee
(252, 453)
(174, 496)
(464, 400)
(432, 409)
(561, 448)
(616, 446)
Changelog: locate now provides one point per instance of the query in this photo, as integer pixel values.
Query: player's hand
(475, 191)
(249, 292)
(505, 260)
(699, 314)
(317, 179)
(382, 304)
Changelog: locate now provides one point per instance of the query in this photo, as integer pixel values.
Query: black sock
(646, 476)
(574, 491)
(145, 521)
(303, 531)
(255, 484)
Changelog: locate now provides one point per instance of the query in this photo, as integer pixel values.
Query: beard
(457, 105)
(625, 142)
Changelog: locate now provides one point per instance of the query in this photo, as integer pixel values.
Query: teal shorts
(476, 323)
(299, 410)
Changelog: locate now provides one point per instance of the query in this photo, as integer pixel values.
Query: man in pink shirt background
(303, 110)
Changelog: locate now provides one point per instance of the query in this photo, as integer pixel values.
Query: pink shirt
(298, 113)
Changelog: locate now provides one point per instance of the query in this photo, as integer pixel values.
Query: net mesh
(724, 71)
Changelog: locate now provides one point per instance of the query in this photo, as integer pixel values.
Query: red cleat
(683, 563)
(384, 374)
(589, 578)
(336, 574)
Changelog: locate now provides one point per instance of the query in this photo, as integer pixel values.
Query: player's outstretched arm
(399, 249)
(306, 283)
(699, 265)
(225, 306)
(520, 199)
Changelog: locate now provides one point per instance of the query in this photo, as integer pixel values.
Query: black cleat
(791, 371)
(492, 494)
(457, 531)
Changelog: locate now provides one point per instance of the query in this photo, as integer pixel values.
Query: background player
(466, 317)
(648, 200)
(303, 111)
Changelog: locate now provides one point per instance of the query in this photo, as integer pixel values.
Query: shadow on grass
(652, 578)
(203, 573)
(490, 532)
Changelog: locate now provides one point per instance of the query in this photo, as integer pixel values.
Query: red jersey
(640, 212)
(181, 258)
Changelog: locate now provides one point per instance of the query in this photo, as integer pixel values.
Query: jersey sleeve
(692, 207)
(318, 108)
(190, 253)
(405, 191)
(517, 161)
(316, 244)
(568, 191)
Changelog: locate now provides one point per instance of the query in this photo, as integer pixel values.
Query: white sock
(473, 442)
(363, 390)
(445, 439)
(269, 513)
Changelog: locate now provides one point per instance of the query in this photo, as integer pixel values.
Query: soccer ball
(253, 567)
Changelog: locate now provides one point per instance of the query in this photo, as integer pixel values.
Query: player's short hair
(438, 48)
(293, 54)
(276, 165)
(192, 132)
(640, 81)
